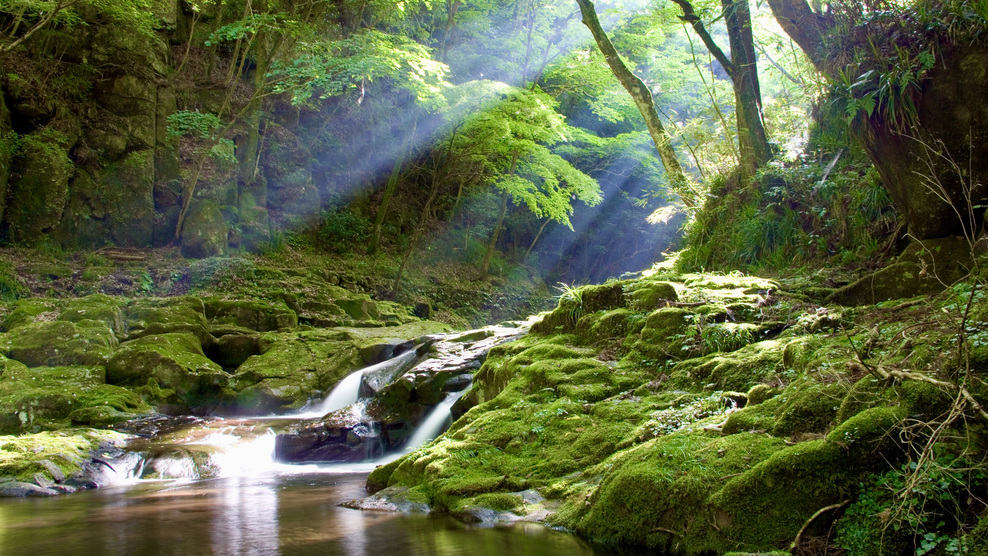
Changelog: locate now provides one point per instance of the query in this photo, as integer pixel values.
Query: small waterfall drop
(342, 395)
(432, 426)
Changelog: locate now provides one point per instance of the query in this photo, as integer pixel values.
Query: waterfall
(347, 391)
(433, 425)
(277, 444)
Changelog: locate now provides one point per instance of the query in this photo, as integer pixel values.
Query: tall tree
(742, 69)
(642, 96)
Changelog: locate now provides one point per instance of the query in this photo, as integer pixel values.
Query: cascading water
(247, 448)
(438, 420)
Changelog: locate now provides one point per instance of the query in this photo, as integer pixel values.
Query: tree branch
(689, 16)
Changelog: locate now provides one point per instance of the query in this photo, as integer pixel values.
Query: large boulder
(292, 369)
(47, 397)
(114, 204)
(164, 315)
(173, 371)
(48, 344)
(262, 316)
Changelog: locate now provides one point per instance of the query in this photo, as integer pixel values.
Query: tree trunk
(643, 100)
(389, 189)
(743, 71)
(497, 232)
(747, 92)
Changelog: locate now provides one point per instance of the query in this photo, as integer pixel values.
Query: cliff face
(85, 155)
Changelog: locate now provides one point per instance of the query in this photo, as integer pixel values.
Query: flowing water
(277, 514)
(242, 501)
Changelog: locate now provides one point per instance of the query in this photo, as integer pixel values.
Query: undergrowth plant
(932, 501)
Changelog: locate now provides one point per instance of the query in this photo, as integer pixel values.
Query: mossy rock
(923, 269)
(663, 332)
(47, 344)
(292, 369)
(29, 310)
(262, 316)
(759, 417)
(57, 455)
(174, 362)
(738, 370)
(47, 397)
(98, 307)
(603, 297)
(770, 502)
(655, 494)
(807, 406)
(359, 308)
(149, 316)
(650, 295)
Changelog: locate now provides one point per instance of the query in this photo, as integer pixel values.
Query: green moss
(23, 456)
(808, 407)
(26, 311)
(43, 397)
(261, 316)
(501, 502)
(293, 368)
(86, 342)
(649, 295)
(655, 494)
(174, 361)
(738, 370)
(166, 315)
(760, 393)
(760, 417)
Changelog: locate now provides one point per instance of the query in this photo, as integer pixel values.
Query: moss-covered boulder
(99, 307)
(87, 342)
(171, 371)
(51, 397)
(292, 369)
(649, 295)
(664, 328)
(925, 267)
(205, 231)
(262, 316)
(166, 315)
(58, 457)
(29, 310)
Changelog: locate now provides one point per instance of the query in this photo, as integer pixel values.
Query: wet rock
(379, 376)
(392, 499)
(339, 438)
(18, 489)
(53, 470)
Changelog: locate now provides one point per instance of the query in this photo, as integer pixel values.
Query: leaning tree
(912, 79)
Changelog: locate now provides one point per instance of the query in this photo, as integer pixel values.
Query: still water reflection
(264, 516)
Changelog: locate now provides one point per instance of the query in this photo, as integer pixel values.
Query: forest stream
(215, 486)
